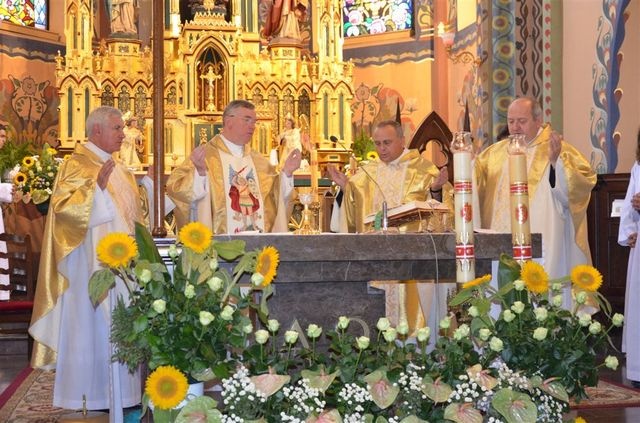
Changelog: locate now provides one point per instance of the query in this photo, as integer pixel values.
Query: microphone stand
(385, 216)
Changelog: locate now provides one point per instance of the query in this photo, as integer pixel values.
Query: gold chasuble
(243, 192)
(66, 228)
(406, 179)
(558, 212)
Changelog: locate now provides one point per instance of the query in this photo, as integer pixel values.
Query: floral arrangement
(34, 175)
(195, 318)
(520, 363)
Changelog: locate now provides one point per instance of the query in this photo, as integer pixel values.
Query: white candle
(463, 208)
(519, 200)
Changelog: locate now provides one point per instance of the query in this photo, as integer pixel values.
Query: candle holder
(462, 148)
(519, 196)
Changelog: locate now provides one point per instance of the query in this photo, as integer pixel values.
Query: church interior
(335, 68)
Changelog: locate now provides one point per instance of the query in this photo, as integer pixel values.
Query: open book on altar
(411, 211)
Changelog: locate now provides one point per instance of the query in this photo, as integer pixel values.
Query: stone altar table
(321, 277)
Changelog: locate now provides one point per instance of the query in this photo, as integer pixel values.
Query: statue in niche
(123, 16)
(282, 19)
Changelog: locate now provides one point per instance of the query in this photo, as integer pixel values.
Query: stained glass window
(31, 13)
(366, 17)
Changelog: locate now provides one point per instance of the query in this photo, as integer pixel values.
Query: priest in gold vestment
(398, 177)
(93, 196)
(560, 182)
(229, 187)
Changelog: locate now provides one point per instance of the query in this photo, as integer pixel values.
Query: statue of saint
(132, 144)
(283, 17)
(123, 16)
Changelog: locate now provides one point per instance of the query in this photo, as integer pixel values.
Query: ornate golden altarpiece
(210, 61)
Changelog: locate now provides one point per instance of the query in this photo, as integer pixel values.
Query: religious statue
(283, 17)
(210, 77)
(132, 143)
(123, 16)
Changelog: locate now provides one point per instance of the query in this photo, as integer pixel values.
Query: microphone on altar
(385, 213)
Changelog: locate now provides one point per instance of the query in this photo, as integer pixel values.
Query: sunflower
(535, 277)
(477, 281)
(117, 249)
(20, 178)
(586, 277)
(267, 263)
(52, 151)
(166, 387)
(195, 236)
(28, 161)
(372, 155)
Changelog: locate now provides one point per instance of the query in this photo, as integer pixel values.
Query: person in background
(93, 196)
(6, 196)
(227, 186)
(560, 182)
(628, 237)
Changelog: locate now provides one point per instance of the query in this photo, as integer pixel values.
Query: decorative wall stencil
(373, 104)
(504, 50)
(605, 112)
(547, 42)
(528, 38)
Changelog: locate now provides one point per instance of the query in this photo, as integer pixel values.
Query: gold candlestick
(465, 253)
(519, 195)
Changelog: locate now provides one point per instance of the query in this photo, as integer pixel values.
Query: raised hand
(105, 173)
(336, 176)
(197, 158)
(555, 146)
(292, 163)
(440, 180)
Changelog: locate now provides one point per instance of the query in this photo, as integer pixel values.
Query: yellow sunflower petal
(19, 178)
(117, 249)
(372, 155)
(477, 281)
(586, 277)
(535, 277)
(28, 161)
(267, 264)
(166, 387)
(195, 236)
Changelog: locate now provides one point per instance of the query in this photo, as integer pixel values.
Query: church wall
(580, 59)
(28, 95)
(378, 89)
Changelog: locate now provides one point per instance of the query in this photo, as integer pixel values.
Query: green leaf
(381, 389)
(99, 284)
(515, 407)
(461, 297)
(556, 390)
(462, 413)
(147, 249)
(198, 408)
(319, 379)
(229, 250)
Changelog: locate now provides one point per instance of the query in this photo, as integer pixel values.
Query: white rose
(518, 284)
(541, 314)
(215, 283)
(159, 306)
(423, 334)
(173, 251)
(595, 328)
(206, 318)
(556, 286)
(540, 333)
(362, 342)
(390, 335)
(581, 297)
(262, 336)
(273, 325)
(484, 334)
(257, 279)
(496, 344)
(189, 291)
(611, 362)
(213, 264)
(313, 331)
(557, 300)
(473, 311)
(145, 276)
(343, 322)
(248, 328)
(461, 332)
(227, 313)
(383, 324)
(445, 323)
(617, 319)
(403, 327)
(518, 307)
(508, 316)
(584, 319)
(290, 337)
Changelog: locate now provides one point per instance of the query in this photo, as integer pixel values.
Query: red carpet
(11, 389)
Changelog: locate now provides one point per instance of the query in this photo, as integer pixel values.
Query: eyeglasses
(246, 119)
